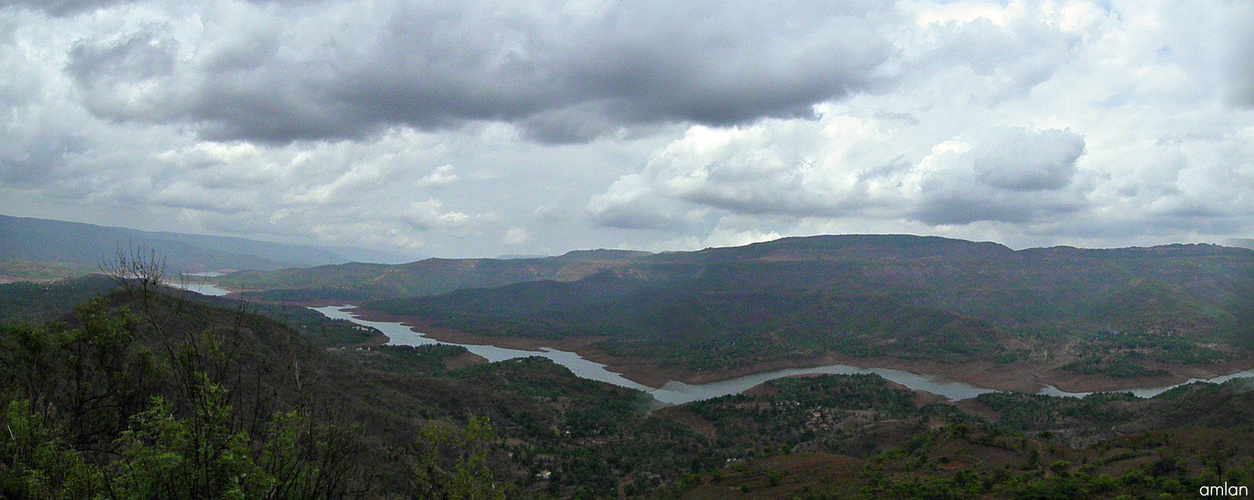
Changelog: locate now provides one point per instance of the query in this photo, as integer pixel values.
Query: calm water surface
(675, 392)
(201, 288)
(404, 335)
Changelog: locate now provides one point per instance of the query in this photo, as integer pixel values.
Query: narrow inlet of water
(675, 392)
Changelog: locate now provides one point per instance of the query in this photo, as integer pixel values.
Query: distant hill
(1117, 312)
(1242, 243)
(375, 418)
(88, 245)
(356, 281)
(129, 394)
(1028, 288)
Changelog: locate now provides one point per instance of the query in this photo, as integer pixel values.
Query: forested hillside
(1112, 312)
(149, 392)
(356, 281)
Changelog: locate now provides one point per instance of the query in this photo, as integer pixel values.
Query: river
(675, 392)
(201, 288)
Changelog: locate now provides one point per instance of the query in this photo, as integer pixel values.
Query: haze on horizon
(488, 128)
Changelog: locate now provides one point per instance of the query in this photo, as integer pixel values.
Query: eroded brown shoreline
(1017, 377)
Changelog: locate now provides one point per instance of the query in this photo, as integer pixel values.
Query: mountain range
(1118, 312)
(87, 246)
(114, 389)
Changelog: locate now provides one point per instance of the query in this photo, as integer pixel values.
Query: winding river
(201, 288)
(190, 282)
(675, 392)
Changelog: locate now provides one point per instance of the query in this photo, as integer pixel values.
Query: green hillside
(357, 281)
(22, 270)
(901, 296)
(167, 394)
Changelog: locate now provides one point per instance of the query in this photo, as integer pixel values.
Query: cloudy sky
(487, 128)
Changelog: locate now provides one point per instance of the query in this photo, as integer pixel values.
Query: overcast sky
(487, 128)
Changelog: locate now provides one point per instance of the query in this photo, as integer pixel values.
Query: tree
(90, 410)
(137, 269)
(448, 463)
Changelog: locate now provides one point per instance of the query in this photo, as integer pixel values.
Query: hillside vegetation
(357, 281)
(1112, 312)
(146, 392)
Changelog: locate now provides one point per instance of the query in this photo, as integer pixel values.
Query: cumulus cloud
(516, 236)
(1010, 175)
(446, 125)
(425, 215)
(816, 170)
(189, 195)
(440, 177)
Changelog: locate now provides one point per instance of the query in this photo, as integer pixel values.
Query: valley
(1078, 320)
(582, 359)
(830, 367)
(585, 250)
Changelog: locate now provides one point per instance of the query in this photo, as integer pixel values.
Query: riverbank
(636, 370)
(1023, 377)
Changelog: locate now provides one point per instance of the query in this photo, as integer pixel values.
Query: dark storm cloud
(132, 109)
(62, 7)
(561, 76)
(730, 66)
(267, 109)
(565, 126)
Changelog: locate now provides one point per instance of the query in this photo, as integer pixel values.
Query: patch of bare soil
(695, 422)
(464, 360)
(376, 340)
